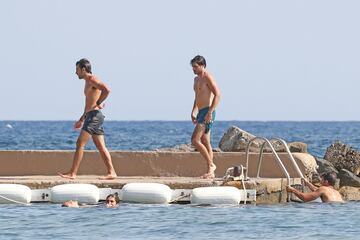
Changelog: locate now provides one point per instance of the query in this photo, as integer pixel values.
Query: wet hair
(330, 177)
(84, 63)
(117, 199)
(200, 60)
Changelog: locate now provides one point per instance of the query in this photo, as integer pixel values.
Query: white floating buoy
(15, 193)
(8, 126)
(215, 195)
(83, 193)
(155, 193)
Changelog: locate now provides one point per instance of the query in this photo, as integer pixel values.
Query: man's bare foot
(67, 175)
(212, 169)
(208, 176)
(211, 173)
(108, 177)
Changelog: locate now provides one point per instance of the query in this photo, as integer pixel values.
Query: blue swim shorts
(200, 118)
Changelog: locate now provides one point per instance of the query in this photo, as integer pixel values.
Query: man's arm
(193, 116)
(306, 197)
(215, 90)
(105, 90)
(81, 120)
(310, 185)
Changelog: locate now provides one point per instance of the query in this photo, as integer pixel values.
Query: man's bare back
(92, 94)
(329, 194)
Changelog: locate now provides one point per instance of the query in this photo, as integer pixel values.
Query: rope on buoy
(180, 197)
(243, 184)
(14, 201)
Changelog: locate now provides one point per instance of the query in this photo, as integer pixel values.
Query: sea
(150, 135)
(139, 221)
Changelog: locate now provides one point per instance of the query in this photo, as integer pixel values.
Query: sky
(281, 60)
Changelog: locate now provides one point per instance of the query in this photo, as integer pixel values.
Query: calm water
(130, 221)
(285, 221)
(149, 135)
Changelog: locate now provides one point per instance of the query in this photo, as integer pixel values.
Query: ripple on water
(138, 221)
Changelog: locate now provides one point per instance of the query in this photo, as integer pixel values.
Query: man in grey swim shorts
(91, 120)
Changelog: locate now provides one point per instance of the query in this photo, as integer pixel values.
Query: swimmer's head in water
(112, 200)
(72, 204)
(330, 177)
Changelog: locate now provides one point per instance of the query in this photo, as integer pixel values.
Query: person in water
(111, 201)
(326, 191)
(91, 121)
(207, 97)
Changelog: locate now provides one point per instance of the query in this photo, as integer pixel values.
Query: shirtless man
(91, 121)
(326, 191)
(207, 97)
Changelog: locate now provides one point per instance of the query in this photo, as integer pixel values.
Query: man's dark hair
(199, 60)
(330, 177)
(84, 63)
(117, 199)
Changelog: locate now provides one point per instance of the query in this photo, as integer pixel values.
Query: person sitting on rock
(326, 191)
(112, 200)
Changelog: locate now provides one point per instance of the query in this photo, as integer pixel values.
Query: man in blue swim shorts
(207, 97)
(91, 121)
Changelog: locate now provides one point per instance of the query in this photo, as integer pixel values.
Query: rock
(183, 148)
(309, 164)
(347, 178)
(350, 193)
(236, 140)
(278, 146)
(217, 150)
(298, 147)
(325, 166)
(343, 156)
(178, 148)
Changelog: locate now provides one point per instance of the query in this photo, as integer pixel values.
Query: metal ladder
(278, 160)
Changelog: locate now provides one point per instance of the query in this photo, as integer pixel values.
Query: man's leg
(79, 153)
(205, 139)
(105, 155)
(199, 131)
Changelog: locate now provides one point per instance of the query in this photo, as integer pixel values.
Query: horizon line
(161, 120)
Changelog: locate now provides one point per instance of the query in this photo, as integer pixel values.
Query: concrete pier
(38, 169)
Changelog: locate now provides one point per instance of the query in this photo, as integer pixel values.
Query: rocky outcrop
(236, 140)
(298, 147)
(325, 166)
(343, 156)
(347, 178)
(178, 148)
(309, 163)
(182, 148)
(350, 193)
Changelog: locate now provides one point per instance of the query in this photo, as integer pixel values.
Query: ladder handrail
(290, 155)
(273, 151)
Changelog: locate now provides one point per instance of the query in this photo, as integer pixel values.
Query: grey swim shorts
(94, 122)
